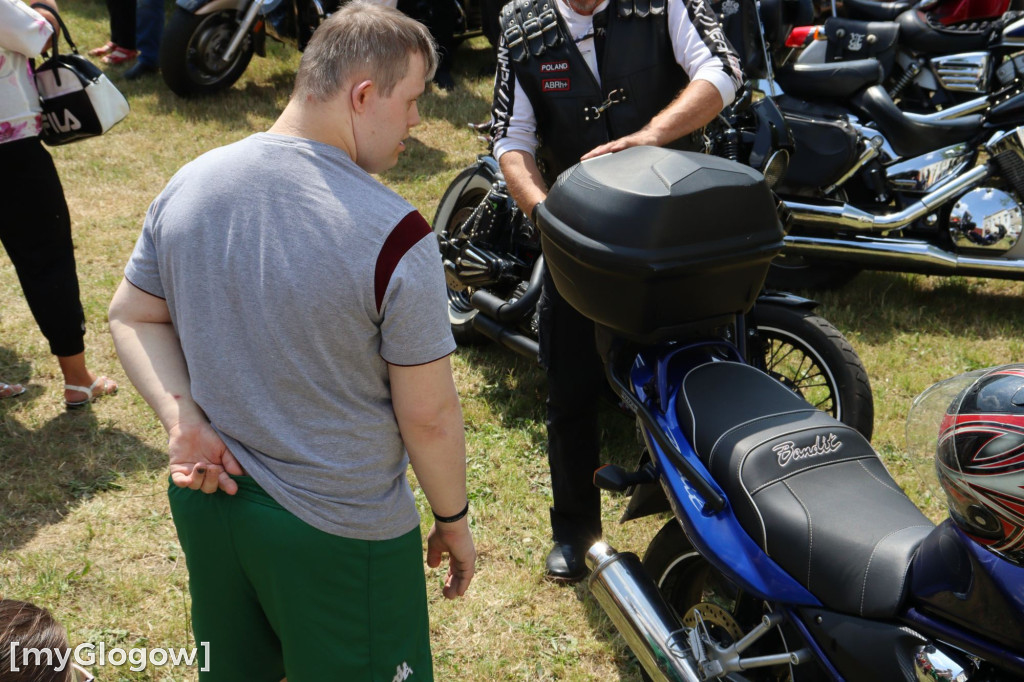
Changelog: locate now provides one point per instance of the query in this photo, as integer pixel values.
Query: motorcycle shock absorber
(909, 74)
(731, 144)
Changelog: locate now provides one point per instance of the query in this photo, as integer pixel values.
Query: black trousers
(35, 229)
(122, 22)
(575, 388)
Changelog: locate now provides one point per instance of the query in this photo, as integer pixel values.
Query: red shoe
(104, 50)
(120, 55)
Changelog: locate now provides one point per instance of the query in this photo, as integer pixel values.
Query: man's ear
(360, 94)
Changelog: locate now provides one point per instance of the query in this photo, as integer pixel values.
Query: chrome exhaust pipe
(647, 623)
(904, 255)
(849, 217)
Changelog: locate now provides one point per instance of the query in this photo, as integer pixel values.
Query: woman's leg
(37, 237)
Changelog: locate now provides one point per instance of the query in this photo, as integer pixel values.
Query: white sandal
(88, 391)
(10, 390)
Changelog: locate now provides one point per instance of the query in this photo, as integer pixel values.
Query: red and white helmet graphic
(979, 460)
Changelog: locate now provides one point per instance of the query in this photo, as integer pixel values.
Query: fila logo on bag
(69, 123)
(402, 672)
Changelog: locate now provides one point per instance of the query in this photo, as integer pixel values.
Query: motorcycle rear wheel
(191, 48)
(808, 355)
(687, 581)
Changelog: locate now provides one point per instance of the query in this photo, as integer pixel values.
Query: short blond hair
(363, 37)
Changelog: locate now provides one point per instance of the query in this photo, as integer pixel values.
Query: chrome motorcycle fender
(482, 174)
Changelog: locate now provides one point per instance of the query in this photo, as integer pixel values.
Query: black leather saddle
(873, 10)
(908, 137)
(806, 487)
(831, 80)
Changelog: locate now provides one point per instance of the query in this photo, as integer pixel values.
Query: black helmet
(979, 454)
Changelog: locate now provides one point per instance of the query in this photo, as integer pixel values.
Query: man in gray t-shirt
(285, 315)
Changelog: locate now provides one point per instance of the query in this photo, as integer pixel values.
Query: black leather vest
(639, 77)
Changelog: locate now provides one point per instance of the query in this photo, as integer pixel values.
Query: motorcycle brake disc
(719, 622)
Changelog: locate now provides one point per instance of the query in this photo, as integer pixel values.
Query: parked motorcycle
(938, 55)
(871, 187)
(791, 553)
(208, 44)
(494, 267)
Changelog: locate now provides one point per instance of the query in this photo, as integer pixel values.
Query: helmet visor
(930, 416)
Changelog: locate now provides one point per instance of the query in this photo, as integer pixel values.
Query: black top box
(654, 242)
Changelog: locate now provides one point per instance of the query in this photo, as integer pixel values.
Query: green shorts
(275, 597)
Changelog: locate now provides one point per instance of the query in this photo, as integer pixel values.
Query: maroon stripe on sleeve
(407, 232)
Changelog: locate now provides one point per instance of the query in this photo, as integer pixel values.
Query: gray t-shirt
(293, 278)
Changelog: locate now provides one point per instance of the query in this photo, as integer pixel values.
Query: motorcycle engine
(480, 252)
(986, 218)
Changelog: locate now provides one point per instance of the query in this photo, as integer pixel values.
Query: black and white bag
(78, 100)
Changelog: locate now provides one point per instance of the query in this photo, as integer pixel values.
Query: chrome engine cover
(986, 218)
(965, 72)
(924, 173)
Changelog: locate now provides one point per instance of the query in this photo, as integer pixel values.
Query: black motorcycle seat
(807, 488)
(837, 80)
(920, 35)
(910, 138)
(872, 10)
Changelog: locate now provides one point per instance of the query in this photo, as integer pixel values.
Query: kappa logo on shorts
(555, 85)
(554, 67)
(402, 672)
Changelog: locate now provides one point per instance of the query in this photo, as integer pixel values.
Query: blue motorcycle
(792, 554)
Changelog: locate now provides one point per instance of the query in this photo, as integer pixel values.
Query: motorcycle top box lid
(653, 243)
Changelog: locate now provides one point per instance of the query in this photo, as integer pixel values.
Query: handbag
(78, 100)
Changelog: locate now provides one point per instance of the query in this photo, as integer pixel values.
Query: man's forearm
(152, 358)
(523, 178)
(693, 108)
(437, 453)
(429, 418)
(151, 354)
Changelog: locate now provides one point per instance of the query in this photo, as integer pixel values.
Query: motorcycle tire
(472, 188)
(191, 48)
(687, 580)
(808, 355)
(795, 273)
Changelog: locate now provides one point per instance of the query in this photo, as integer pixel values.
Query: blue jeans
(149, 28)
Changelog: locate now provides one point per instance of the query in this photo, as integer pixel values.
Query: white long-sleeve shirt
(689, 46)
(23, 34)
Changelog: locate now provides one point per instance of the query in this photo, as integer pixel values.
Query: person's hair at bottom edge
(30, 627)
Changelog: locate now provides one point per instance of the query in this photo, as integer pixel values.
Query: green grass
(84, 521)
